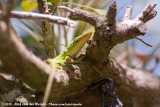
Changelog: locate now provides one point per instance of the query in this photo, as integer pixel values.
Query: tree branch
(91, 18)
(137, 26)
(47, 29)
(111, 14)
(144, 42)
(9, 7)
(19, 61)
(23, 64)
(148, 13)
(42, 17)
(1, 5)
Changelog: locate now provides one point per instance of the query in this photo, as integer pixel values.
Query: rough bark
(47, 29)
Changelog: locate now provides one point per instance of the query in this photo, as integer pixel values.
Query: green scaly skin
(71, 51)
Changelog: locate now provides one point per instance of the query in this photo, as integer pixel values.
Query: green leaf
(80, 5)
(99, 11)
(55, 2)
(29, 5)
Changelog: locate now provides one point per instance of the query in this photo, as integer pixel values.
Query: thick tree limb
(19, 61)
(91, 18)
(142, 79)
(23, 64)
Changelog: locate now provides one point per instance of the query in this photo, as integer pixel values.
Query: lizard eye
(77, 41)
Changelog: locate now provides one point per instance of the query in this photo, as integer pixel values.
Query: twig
(42, 17)
(144, 42)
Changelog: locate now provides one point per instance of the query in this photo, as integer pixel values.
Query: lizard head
(78, 43)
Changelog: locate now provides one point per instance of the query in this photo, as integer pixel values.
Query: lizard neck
(62, 56)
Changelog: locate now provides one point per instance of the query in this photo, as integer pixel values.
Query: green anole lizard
(71, 51)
